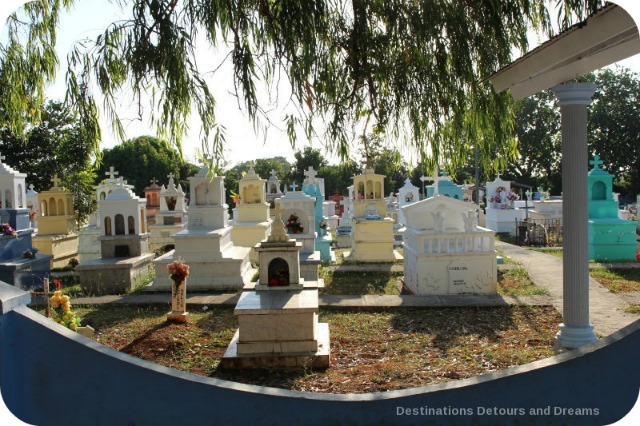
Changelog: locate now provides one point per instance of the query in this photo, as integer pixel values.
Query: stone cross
(153, 181)
(293, 186)
(55, 181)
(273, 173)
(111, 173)
(31, 187)
(596, 162)
(436, 178)
(170, 176)
(311, 175)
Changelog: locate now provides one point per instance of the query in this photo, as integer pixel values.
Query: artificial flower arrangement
(178, 271)
(6, 229)
(62, 313)
(512, 196)
(33, 214)
(293, 225)
(323, 225)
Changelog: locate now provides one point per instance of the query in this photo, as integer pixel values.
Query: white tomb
(32, 205)
(170, 217)
(297, 212)
(274, 189)
(408, 194)
(124, 245)
(501, 215)
(215, 263)
(445, 252)
(252, 219)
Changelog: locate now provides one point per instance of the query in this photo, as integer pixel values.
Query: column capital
(574, 93)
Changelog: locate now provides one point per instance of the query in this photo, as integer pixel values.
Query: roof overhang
(608, 36)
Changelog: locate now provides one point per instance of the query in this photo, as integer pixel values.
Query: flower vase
(178, 302)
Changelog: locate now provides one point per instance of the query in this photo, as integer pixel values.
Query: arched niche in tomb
(202, 190)
(131, 225)
(599, 191)
(251, 194)
(43, 208)
(273, 188)
(107, 226)
(53, 207)
(61, 211)
(20, 199)
(69, 205)
(171, 202)
(7, 199)
(360, 191)
(378, 190)
(103, 195)
(119, 222)
(278, 272)
(295, 222)
(409, 197)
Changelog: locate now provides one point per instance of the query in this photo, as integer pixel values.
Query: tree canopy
(413, 70)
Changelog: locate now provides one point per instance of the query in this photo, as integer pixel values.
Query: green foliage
(415, 67)
(141, 159)
(306, 158)
(58, 145)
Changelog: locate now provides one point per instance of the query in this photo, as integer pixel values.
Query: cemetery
(408, 289)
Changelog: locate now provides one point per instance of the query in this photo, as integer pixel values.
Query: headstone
(205, 244)
(57, 231)
(278, 316)
(445, 251)
(501, 215)
(610, 238)
(124, 245)
(323, 236)
(170, 217)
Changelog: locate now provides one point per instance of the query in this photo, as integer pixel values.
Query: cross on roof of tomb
(55, 180)
(596, 162)
(170, 176)
(293, 186)
(111, 173)
(31, 187)
(368, 163)
(153, 181)
(436, 178)
(273, 173)
(311, 175)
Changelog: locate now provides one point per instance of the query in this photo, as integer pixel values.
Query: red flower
(638, 257)
(57, 283)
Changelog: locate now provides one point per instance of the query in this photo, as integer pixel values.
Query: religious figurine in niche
(409, 197)
(171, 202)
(469, 220)
(293, 225)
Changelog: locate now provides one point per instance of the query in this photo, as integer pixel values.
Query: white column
(574, 99)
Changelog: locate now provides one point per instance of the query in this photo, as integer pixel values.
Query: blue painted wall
(52, 376)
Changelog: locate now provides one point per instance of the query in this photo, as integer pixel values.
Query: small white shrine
(501, 214)
(33, 206)
(408, 194)
(372, 234)
(57, 230)
(546, 207)
(296, 210)
(445, 252)
(124, 245)
(278, 316)
(252, 220)
(170, 217)
(89, 246)
(205, 244)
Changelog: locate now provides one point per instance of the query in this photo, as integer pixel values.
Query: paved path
(606, 309)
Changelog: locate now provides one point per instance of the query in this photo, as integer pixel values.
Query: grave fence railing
(539, 232)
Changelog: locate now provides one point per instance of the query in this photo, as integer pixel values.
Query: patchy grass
(516, 282)
(552, 251)
(633, 309)
(506, 237)
(370, 351)
(361, 282)
(617, 280)
(506, 259)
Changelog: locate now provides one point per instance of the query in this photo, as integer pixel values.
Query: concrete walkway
(606, 309)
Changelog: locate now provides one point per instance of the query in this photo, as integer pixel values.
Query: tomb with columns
(278, 316)
(152, 195)
(501, 215)
(89, 245)
(252, 219)
(297, 212)
(610, 239)
(215, 262)
(170, 218)
(57, 230)
(372, 238)
(124, 245)
(19, 266)
(321, 225)
(445, 252)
